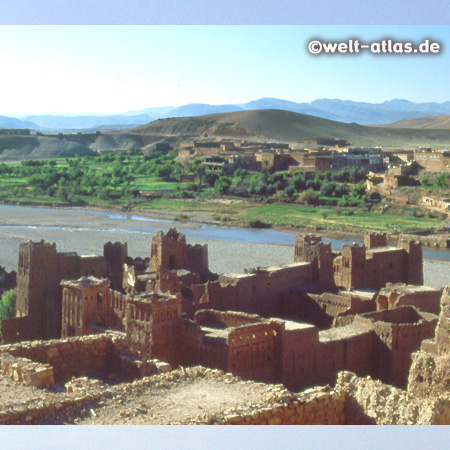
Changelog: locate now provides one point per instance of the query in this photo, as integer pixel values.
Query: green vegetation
(7, 305)
(156, 182)
(108, 180)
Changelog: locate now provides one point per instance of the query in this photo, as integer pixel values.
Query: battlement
(373, 240)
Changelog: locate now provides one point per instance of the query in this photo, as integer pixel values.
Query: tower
(38, 290)
(310, 248)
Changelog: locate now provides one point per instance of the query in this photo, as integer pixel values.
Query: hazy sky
(85, 69)
(317, 12)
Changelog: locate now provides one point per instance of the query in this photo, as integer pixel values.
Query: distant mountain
(345, 111)
(424, 123)
(379, 113)
(288, 126)
(12, 122)
(53, 122)
(201, 109)
(340, 110)
(260, 124)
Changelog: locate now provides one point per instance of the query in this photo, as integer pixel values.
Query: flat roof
(383, 249)
(291, 325)
(256, 271)
(341, 333)
(85, 282)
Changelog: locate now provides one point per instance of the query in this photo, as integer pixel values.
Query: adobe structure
(267, 324)
(39, 292)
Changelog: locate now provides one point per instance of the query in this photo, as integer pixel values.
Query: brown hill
(288, 126)
(424, 123)
(36, 147)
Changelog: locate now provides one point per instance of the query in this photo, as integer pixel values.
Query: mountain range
(287, 126)
(345, 111)
(265, 125)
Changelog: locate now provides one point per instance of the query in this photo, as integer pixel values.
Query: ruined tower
(168, 251)
(311, 249)
(349, 268)
(38, 290)
(413, 261)
(115, 255)
(375, 240)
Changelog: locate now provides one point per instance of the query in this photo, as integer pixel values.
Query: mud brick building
(266, 324)
(170, 251)
(152, 324)
(85, 303)
(39, 293)
(371, 265)
(374, 264)
(434, 160)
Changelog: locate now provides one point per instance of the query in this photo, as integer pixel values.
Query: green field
(132, 181)
(293, 215)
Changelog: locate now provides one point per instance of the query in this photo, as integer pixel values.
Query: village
(301, 325)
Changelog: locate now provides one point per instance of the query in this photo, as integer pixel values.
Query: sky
(309, 12)
(76, 69)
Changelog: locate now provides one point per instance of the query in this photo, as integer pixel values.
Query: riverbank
(188, 219)
(230, 249)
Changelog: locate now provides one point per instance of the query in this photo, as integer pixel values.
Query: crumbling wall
(28, 372)
(311, 249)
(430, 368)
(344, 304)
(371, 402)
(318, 406)
(117, 308)
(92, 356)
(400, 332)
(395, 295)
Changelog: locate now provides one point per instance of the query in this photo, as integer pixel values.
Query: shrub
(8, 305)
(258, 224)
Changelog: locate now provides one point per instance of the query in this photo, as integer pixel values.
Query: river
(231, 249)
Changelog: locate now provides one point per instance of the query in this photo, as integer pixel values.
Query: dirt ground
(184, 396)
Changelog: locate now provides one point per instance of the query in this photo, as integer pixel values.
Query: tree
(311, 197)
(328, 189)
(299, 182)
(8, 305)
(222, 185)
(197, 168)
(359, 190)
